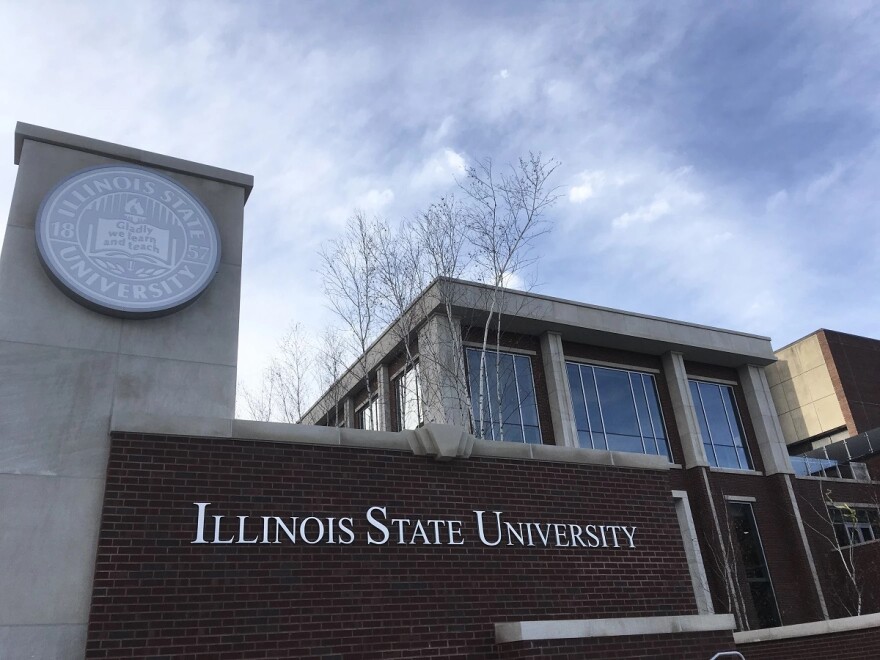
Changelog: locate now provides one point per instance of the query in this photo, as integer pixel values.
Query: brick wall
(853, 645)
(853, 363)
(156, 593)
(812, 495)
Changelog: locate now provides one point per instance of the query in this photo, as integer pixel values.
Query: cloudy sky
(720, 160)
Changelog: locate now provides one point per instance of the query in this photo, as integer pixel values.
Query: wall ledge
(807, 629)
(527, 631)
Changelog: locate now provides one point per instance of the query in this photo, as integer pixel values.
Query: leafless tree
(287, 385)
(504, 217)
(349, 272)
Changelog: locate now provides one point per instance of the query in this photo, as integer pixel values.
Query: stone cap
(25, 131)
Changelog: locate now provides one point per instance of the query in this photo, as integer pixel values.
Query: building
(637, 496)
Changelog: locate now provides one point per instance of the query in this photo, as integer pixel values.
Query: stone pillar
(765, 421)
(683, 410)
(348, 412)
(383, 393)
(444, 387)
(556, 375)
(66, 370)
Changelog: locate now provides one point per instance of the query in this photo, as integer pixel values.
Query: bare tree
(349, 271)
(331, 360)
(504, 218)
(287, 384)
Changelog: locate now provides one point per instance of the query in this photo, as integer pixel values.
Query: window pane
(720, 427)
(624, 443)
(716, 417)
(654, 405)
(593, 413)
(751, 556)
(509, 404)
(615, 398)
(575, 387)
(528, 406)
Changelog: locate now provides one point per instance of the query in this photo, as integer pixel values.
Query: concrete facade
(66, 371)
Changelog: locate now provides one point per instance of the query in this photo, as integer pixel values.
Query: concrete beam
(683, 410)
(556, 375)
(765, 421)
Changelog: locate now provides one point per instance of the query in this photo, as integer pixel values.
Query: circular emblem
(126, 241)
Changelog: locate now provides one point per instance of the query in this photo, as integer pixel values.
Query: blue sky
(720, 160)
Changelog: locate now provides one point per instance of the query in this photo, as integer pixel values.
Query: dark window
(508, 411)
(616, 409)
(854, 525)
(720, 426)
(754, 564)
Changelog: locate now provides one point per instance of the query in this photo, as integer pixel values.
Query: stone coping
(808, 629)
(430, 439)
(526, 631)
(120, 152)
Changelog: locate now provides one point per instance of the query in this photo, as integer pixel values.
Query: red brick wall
(854, 645)
(812, 495)
(156, 593)
(854, 363)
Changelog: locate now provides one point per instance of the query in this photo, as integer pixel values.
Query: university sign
(126, 241)
(379, 527)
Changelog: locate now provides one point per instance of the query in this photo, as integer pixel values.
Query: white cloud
(589, 186)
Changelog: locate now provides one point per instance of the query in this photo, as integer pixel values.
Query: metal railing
(817, 466)
(728, 654)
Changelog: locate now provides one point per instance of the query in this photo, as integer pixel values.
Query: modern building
(599, 484)
(826, 388)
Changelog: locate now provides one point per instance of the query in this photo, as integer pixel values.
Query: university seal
(126, 241)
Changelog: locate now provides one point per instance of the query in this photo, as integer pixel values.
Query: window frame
(699, 407)
(651, 374)
(396, 382)
(846, 529)
(490, 351)
(371, 404)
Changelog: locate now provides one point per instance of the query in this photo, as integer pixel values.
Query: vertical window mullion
(731, 428)
(599, 406)
(644, 378)
(632, 391)
(519, 401)
(586, 407)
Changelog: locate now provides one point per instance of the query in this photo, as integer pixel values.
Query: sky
(720, 161)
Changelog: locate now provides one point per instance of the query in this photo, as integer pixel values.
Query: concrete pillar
(65, 370)
(683, 410)
(556, 375)
(348, 412)
(383, 393)
(765, 421)
(441, 359)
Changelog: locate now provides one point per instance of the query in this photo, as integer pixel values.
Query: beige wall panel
(829, 413)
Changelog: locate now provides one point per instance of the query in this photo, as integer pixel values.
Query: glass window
(408, 393)
(509, 410)
(368, 416)
(751, 554)
(854, 525)
(616, 409)
(720, 426)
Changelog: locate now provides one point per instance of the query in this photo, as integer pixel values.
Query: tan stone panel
(801, 387)
(788, 430)
(806, 355)
(819, 382)
(774, 373)
(829, 412)
(790, 395)
(779, 400)
(811, 420)
(800, 425)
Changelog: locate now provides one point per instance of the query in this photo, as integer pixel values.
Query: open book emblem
(132, 237)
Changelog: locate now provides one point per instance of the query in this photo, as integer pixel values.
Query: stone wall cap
(25, 131)
(828, 627)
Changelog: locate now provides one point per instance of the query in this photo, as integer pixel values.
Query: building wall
(851, 645)
(804, 392)
(157, 593)
(855, 363)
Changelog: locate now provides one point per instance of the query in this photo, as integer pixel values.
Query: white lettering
(497, 527)
(378, 525)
